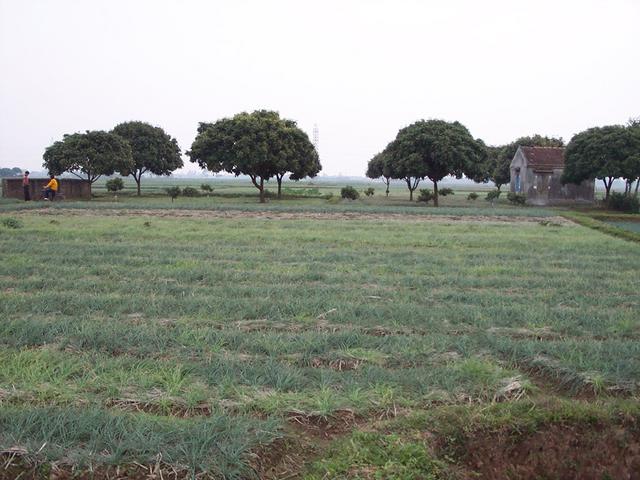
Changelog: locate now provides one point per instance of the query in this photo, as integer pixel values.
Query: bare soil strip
(272, 215)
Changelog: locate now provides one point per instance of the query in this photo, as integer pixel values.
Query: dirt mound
(564, 452)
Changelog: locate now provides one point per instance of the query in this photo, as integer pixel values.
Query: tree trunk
(607, 188)
(279, 178)
(388, 180)
(262, 200)
(637, 185)
(138, 179)
(435, 194)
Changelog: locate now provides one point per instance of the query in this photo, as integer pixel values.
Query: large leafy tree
(605, 153)
(151, 148)
(298, 156)
(260, 145)
(435, 149)
(378, 167)
(88, 155)
(632, 165)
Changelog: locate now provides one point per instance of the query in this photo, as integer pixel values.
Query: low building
(69, 188)
(536, 173)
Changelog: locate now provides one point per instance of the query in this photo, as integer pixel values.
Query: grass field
(225, 341)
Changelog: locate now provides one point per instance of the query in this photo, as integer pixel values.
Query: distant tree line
(435, 149)
(10, 172)
(260, 145)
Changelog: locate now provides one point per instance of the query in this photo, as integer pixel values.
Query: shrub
(426, 195)
(115, 184)
(190, 192)
(369, 191)
(11, 222)
(516, 198)
(493, 195)
(173, 192)
(349, 192)
(472, 196)
(443, 192)
(205, 187)
(624, 203)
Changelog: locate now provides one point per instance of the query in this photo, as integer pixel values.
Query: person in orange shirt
(51, 188)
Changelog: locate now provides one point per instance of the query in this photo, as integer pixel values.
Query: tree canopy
(260, 145)
(605, 153)
(152, 150)
(378, 168)
(435, 149)
(88, 155)
(10, 172)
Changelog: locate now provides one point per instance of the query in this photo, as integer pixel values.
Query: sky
(359, 69)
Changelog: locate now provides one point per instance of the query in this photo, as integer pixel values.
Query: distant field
(242, 345)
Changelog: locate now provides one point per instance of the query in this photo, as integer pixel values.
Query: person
(51, 188)
(25, 186)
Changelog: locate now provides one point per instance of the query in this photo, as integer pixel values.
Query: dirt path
(274, 215)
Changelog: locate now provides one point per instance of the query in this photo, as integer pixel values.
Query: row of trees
(605, 153)
(131, 148)
(432, 149)
(435, 149)
(260, 144)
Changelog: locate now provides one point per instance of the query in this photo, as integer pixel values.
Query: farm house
(536, 173)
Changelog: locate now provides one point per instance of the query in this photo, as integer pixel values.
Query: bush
(516, 198)
(205, 187)
(349, 192)
(472, 196)
(426, 195)
(443, 192)
(173, 192)
(190, 192)
(115, 184)
(11, 222)
(369, 191)
(623, 203)
(493, 195)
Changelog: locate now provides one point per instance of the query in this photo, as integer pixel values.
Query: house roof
(544, 158)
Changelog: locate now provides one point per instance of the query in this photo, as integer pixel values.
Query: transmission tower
(316, 138)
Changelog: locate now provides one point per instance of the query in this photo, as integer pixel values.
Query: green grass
(115, 328)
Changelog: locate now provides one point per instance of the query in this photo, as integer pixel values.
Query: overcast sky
(359, 69)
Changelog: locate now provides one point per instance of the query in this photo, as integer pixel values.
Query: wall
(69, 187)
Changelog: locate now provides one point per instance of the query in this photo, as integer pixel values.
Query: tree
(10, 172)
(378, 168)
(435, 149)
(632, 165)
(173, 192)
(88, 155)
(114, 185)
(298, 156)
(605, 153)
(259, 144)
(151, 148)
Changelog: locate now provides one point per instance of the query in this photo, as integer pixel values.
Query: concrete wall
(69, 187)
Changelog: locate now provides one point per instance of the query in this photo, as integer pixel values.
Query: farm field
(316, 341)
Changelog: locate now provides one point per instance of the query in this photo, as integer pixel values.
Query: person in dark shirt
(25, 186)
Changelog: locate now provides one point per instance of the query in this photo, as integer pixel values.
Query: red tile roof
(544, 158)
